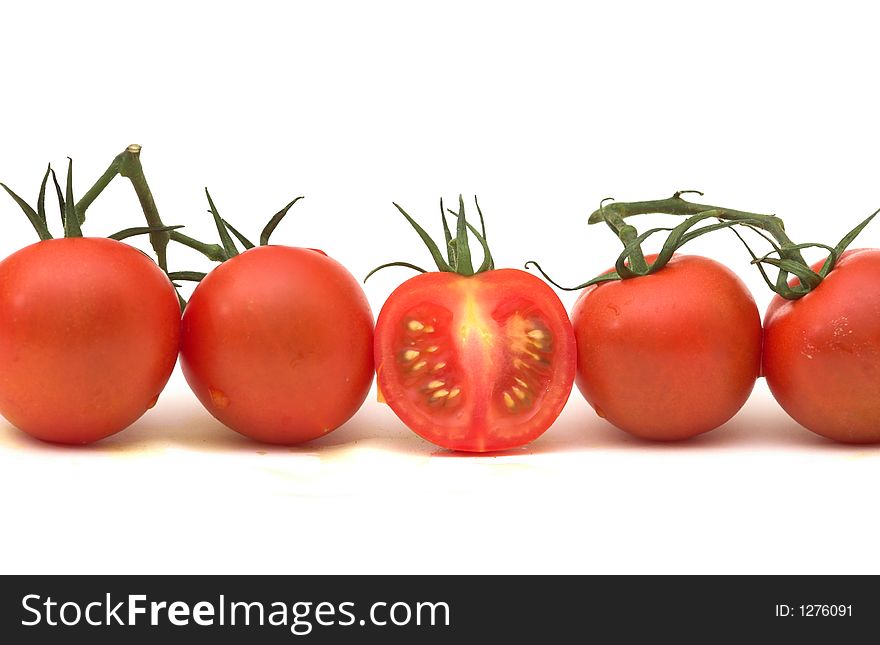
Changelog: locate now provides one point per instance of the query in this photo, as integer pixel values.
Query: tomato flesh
(89, 333)
(669, 355)
(476, 363)
(277, 344)
(822, 352)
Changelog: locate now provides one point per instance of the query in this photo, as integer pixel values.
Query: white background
(541, 109)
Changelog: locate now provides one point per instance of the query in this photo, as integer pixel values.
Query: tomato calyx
(72, 213)
(631, 262)
(226, 231)
(458, 258)
(227, 249)
(127, 164)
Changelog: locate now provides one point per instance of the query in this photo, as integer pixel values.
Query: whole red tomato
(822, 351)
(475, 363)
(89, 333)
(669, 355)
(277, 344)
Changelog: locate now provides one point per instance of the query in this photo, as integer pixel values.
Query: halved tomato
(475, 363)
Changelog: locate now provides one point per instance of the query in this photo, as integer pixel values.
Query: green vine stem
(130, 167)
(614, 214)
(227, 249)
(790, 261)
(631, 263)
(626, 267)
(128, 164)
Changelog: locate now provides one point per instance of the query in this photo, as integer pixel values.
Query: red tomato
(669, 355)
(822, 352)
(89, 332)
(277, 344)
(475, 363)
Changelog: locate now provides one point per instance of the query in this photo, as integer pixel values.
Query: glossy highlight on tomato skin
(822, 351)
(89, 335)
(277, 344)
(475, 363)
(670, 355)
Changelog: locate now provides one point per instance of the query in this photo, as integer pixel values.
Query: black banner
(407, 609)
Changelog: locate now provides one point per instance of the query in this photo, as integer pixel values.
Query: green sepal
(141, 230)
(463, 263)
(395, 264)
(622, 267)
(32, 215)
(246, 243)
(275, 221)
(809, 278)
(680, 235)
(851, 236)
(447, 235)
(41, 200)
(225, 239)
(71, 221)
(755, 258)
(488, 262)
(59, 194)
(677, 238)
(770, 227)
(830, 261)
(442, 265)
(458, 257)
(605, 277)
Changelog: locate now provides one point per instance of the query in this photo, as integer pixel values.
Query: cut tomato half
(475, 363)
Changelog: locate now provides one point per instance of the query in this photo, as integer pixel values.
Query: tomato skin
(277, 344)
(669, 355)
(480, 325)
(89, 332)
(822, 351)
